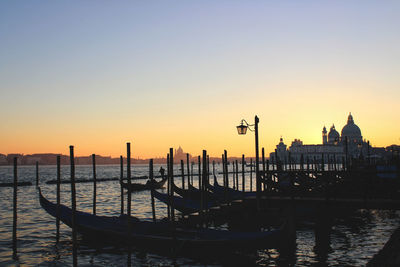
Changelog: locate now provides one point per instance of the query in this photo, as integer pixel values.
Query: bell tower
(324, 136)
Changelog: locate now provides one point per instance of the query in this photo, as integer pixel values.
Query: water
(354, 239)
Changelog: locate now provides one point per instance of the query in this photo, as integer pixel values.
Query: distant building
(334, 147)
(180, 155)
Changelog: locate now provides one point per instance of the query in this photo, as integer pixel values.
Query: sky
(161, 74)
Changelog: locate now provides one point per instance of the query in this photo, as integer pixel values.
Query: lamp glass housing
(242, 129)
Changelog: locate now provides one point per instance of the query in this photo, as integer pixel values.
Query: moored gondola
(160, 235)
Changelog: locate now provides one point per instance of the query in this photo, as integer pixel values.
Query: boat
(159, 235)
(184, 205)
(150, 184)
(222, 192)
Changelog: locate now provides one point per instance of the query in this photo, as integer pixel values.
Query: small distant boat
(150, 184)
(160, 235)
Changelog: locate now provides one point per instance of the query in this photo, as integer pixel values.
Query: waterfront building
(335, 147)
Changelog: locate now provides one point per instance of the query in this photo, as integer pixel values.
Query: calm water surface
(354, 239)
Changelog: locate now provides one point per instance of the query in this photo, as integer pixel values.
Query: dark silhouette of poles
(121, 159)
(128, 205)
(183, 175)
(37, 173)
(251, 174)
(58, 198)
(171, 159)
(237, 175)
(73, 204)
(14, 234)
(258, 182)
(188, 170)
(151, 175)
(94, 183)
(199, 160)
(233, 174)
(243, 186)
(128, 177)
(168, 187)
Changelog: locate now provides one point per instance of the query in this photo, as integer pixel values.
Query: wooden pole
(94, 183)
(233, 174)
(202, 195)
(199, 160)
(183, 175)
(171, 159)
(128, 177)
(226, 168)
(73, 204)
(223, 171)
(188, 170)
(58, 198)
(243, 186)
(37, 173)
(14, 233)
(121, 159)
(208, 171)
(151, 175)
(237, 175)
(168, 187)
(251, 174)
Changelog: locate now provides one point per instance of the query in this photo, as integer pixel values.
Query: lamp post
(242, 129)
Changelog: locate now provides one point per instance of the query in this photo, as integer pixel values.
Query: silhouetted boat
(184, 205)
(150, 184)
(221, 192)
(159, 235)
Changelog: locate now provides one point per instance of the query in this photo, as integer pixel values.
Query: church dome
(333, 135)
(351, 130)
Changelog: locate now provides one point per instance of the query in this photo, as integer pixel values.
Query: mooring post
(171, 159)
(37, 173)
(188, 170)
(183, 175)
(243, 184)
(233, 174)
(14, 234)
(208, 171)
(237, 175)
(203, 178)
(223, 171)
(128, 177)
(199, 160)
(94, 183)
(226, 168)
(121, 159)
(73, 204)
(58, 198)
(151, 176)
(169, 187)
(251, 174)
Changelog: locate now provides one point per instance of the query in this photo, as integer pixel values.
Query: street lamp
(242, 129)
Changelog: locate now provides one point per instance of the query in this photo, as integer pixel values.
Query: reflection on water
(354, 239)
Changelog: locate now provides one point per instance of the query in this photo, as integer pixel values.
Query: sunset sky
(161, 74)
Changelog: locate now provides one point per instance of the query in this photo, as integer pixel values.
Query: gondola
(159, 235)
(222, 192)
(184, 205)
(150, 184)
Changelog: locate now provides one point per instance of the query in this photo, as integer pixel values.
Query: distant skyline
(98, 74)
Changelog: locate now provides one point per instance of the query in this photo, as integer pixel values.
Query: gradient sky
(160, 74)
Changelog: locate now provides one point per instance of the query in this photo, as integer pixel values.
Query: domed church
(349, 142)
